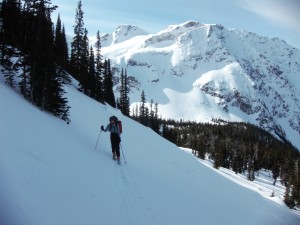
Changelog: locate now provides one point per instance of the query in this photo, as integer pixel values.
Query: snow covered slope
(51, 174)
(201, 71)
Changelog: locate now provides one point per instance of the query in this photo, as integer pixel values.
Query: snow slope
(51, 174)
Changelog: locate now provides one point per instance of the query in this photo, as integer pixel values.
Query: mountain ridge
(232, 74)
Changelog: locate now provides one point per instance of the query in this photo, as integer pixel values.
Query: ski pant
(115, 143)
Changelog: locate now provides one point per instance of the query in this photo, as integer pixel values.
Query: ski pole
(98, 139)
(123, 154)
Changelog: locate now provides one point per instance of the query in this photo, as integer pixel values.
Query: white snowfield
(50, 174)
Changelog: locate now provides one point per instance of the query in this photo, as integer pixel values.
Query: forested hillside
(241, 147)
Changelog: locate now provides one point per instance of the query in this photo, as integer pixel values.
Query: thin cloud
(284, 13)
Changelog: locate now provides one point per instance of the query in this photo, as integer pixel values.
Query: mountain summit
(201, 71)
(123, 33)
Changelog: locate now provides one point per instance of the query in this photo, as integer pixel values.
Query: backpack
(119, 122)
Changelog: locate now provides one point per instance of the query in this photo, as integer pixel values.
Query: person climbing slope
(115, 129)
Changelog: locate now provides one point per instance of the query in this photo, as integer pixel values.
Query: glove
(102, 128)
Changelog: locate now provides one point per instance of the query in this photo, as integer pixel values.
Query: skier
(115, 136)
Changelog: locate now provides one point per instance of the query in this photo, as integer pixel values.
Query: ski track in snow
(132, 198)
(130, 207)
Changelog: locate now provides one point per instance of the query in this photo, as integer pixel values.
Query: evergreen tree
(126, 95)
(10, 14)
(42, 58)
(109, 96)
(151, 112)
(24, 75)
(275, 172)
(155, 126)
(85, 78)
(77, 45)
(60, 45)
(153, 120)
(124, 91)
(65, 54)
(143, 110)
(9, 69)
(92, 74)
(80, 66)
(251, 169)
(27, 47)
(61, 52)
(46, 82)
(288, 197)
(296, 182)
(99, 70)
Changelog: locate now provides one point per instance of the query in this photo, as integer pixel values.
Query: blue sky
(273, 18)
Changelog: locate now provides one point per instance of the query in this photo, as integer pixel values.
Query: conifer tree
(77, 44)
(92, 74)
(80, 56)
(27, 39)
(109, 96)
(85, 79)
(288, 197)
(24, 75)
(60, 45)
(124, 91)
(42, 57)
(154, 123)
(152, 114)
(46, 82)
(65, 55)
(10, 14)
(9, 70)
(99, 69)
(61, 51)
(126, 95)
(143, 110)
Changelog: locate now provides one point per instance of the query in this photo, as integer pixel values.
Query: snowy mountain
(201, 71)
(52, 174)
(122, 33)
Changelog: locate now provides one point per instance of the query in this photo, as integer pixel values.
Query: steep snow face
(199, 71)
(51, 173)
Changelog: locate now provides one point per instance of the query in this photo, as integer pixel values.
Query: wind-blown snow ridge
(230, 74)
(51, 174)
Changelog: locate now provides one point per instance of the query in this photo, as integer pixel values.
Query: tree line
(241, 147)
